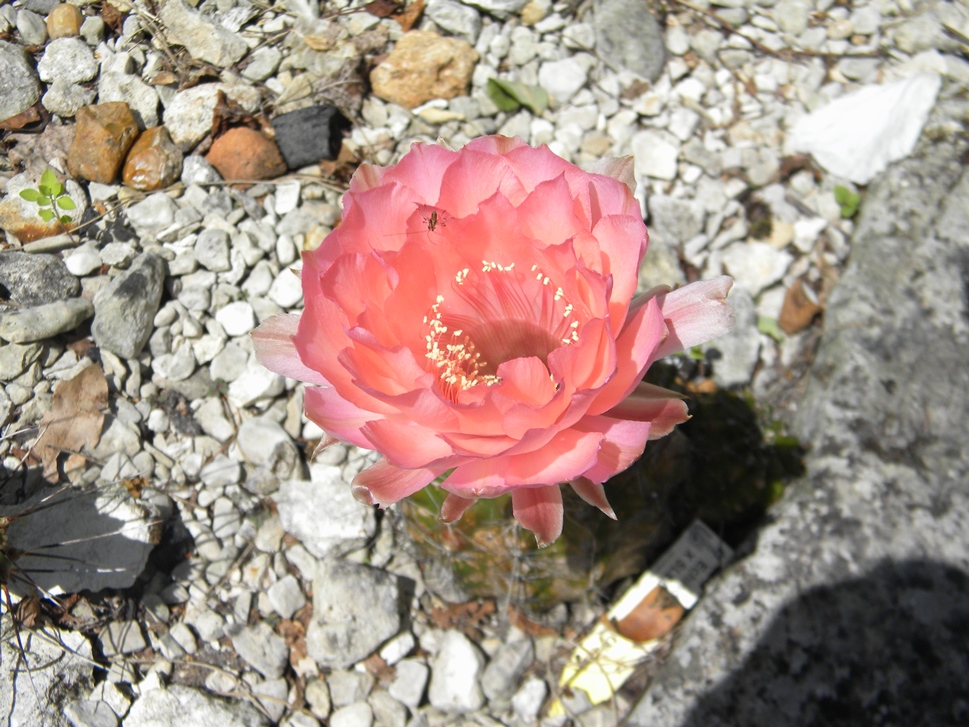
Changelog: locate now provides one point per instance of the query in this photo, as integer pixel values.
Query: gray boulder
(853, 607)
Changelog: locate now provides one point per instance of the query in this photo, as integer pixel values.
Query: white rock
(286, 290)
(83, 261)
(178, 705)
(409, 683)
(255, 383)
(236, 318)
(398, 647)
(262, 649)
(358, 714)
(341, 633)
(755, 265)
(455, 674)
(286, 597)
(655, 155)
(858, 135)
(739, 350)
(323, 514)
(562, 78)
(529, 698)
(806, 233)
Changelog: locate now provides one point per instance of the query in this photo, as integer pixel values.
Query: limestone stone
(423, 66)
(853, 602)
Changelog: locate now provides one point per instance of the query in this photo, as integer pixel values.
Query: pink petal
(276, 350)
(539, 509)
(635, 349)
(569, 454)
(594, 494)
(622, 444)
(406, 444)
(619, 168)
(547, 213)
(473, 178)
(663, 408)
(622, 240)
(337, 416)
(454, 507)
(366, 177)
(527, 381)
(695, 313)
(383, 484)
(422, 169)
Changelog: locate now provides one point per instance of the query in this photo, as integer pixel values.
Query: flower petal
(635, 349)
(454, 507)
(664, 409)
(539, 509)
(619, 168)
(276, 350)
(336, 416)
(569, 454)
(621, 444)
(695, 314)
(405, 444)
(383, 484)
(594, 494)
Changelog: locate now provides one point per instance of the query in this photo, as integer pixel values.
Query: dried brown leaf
(75, 418)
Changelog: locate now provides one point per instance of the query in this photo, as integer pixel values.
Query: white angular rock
(178, 705)
(342, 633)
(262, 649)
(409, 684)
(755, 265)
(455, 674)
(323, 514)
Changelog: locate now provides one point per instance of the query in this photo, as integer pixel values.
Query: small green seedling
(50, 197)
(847, 200)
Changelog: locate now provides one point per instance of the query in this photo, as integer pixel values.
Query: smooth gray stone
(629, 38)
(44, 321)
(19, 85)
(178, 705)
(853, 607)
(125, 309)
(36, 279)
(342, 633)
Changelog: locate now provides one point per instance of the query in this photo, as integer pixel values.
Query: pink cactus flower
(473, 316)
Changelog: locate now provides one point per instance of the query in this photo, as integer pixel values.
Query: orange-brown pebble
(246, 155)
(104, 135)
(153, 162)
(64, 20)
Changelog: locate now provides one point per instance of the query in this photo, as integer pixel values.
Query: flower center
(491, 317)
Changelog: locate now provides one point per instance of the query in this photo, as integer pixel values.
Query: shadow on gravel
(890, 648)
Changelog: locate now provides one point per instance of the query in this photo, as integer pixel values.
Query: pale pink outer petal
(594, 494)
(619, 168)
(695, 313)
(569, 454)
(383, 484)
(622, 240)
(337, 416)
(454, 507)
(539, 509)
(622, 444)
(635, 349)
(276, 350)
(406, 444)
(664, 409)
